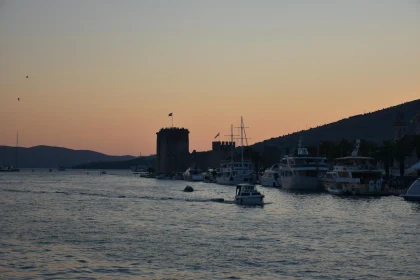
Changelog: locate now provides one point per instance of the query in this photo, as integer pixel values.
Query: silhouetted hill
(149, 161)
(51, 157)
(376, 127)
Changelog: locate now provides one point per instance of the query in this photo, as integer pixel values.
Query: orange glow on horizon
(109, 85)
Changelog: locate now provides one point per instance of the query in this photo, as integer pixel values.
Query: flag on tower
(170, 114)
(216, 135)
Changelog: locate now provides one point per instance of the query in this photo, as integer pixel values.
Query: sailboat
(234, 172)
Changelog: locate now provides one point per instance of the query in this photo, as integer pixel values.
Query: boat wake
(119, 196)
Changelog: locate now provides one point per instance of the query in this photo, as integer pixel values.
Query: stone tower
(172, 150)
(400, 127)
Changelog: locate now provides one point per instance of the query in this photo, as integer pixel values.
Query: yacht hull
(375, 188)
(301, 183)
(249, 200)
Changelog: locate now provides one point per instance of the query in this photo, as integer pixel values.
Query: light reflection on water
(76, 225)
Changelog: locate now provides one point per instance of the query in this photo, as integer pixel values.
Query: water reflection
(78, 225)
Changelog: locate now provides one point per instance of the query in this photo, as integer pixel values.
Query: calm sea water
(117, 226)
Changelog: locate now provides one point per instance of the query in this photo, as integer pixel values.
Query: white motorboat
(270, 177)
(247, 194)
(210, 176)
(413, 192)
(193, 174)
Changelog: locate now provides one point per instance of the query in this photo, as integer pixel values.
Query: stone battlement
(222, 146)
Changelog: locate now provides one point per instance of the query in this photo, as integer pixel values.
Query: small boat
(270, 177)
(413, 192)
(160, 176)
(210, 176)
(178, 176)
(247, 194)
(193, 174)
(8, 168)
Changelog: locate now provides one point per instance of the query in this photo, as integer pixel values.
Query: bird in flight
(27, 76)
(18, 99)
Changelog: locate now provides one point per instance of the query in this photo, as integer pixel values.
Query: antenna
(356, 150)
(301, 151)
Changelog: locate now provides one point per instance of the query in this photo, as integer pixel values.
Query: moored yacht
(210, 176)
(233, 172)
(270, 177)
(355, 175)
(247, 194)
(8, 168)
(302, 172)
(413, 192)
(193, 174)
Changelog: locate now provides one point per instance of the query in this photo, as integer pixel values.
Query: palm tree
(401, 151)
(254, 156)
(386, 155)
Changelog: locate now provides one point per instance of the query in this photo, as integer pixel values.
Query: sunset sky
(104, 75)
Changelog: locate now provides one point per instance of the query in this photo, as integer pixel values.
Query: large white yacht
(234, 173)
(302, 172)
(271, 177)
(193, 174)
(355, 175)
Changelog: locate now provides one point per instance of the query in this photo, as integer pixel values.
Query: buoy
(188, 189)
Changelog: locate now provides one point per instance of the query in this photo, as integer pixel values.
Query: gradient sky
(103, 75)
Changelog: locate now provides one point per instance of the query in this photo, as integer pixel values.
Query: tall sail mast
(242, 127)
(17, 147)
(231, 143)
(242, 142)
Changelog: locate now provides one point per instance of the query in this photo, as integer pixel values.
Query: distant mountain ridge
(51, 157)
(376, 126)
